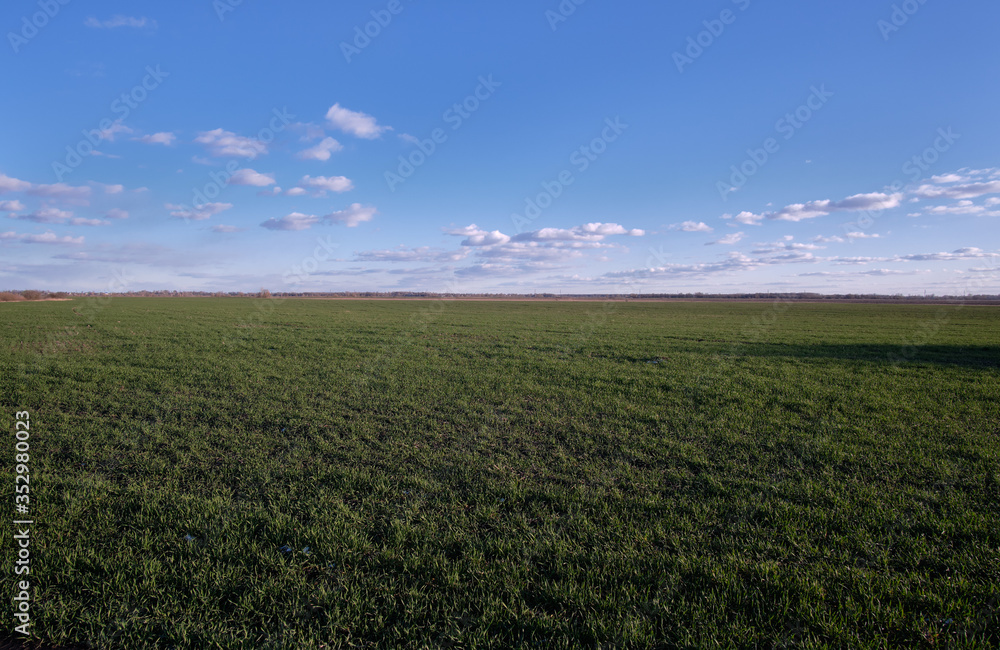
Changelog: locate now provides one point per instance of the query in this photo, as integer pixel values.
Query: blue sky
(575, 146)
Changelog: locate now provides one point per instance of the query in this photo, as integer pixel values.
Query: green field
(506, 474)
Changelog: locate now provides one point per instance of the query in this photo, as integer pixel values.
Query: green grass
(508, 474)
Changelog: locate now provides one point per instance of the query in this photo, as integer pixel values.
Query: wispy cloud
(109, 189)
(785, 244)
(318, 186)
(293, 221)
(9, 184)
(691, 226)
(499, 254)
(967, 207)
(588, 232)
(475, 236)
(729, 239)
(45, 215)
(358, 124)
(199, 213)
(163, 137)
(965, 191)
(870, 272)
(352, 215)
(119, 20)
(821, 208)
(320, 151)
(44, 238)
(112, 131)
(222, 143)
(55, 191)
(251, 177)
(408, 254)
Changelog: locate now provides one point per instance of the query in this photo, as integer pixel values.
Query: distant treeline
(31, 294)
(10, 296)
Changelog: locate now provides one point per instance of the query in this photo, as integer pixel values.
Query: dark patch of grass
(509, 474)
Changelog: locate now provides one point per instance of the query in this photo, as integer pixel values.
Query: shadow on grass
(970, 356)
(981, 357)
(7, 643)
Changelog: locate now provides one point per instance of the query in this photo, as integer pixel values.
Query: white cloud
(692, 226)
(116, 213)
(80, 221)
(556, 234)
(966, 191)
(112, 131)
(869, 201)
(728, 239)
(745, 218)
(529, 252)
(813, 209)
(9, 184)
(310, 131)
(58, 191)
(843, 274)
(486, 239)
(465, 231)
(320, 185)
(44, 238)
(605, 229)
(950, 178)
(360, 124)
(45, 215)
(968, 253)
(226, 229)
(222, 143)
(477, 237)
(119, 21)
(251, 177)
(966, 206)
(180, 260)
(858, 260)
(198, 213)
(320, 151)
(960, 254)
(408, 254)
(352, 215)
(862, 235)
(785, 244)
(590, 232)
(544, 249)
(293, 221)
(11, 206)
(163, 137)
(733, 262)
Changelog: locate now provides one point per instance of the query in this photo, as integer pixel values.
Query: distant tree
(264, 293)
(10, 296)
(31, 294)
